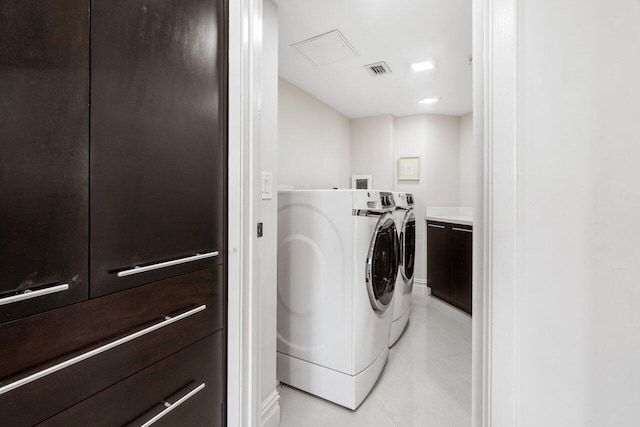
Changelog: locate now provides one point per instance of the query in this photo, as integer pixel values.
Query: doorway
(247, 40)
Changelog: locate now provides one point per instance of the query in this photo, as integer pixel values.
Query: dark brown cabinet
(181, 390)
(449, 263)
(113, 166)
(44, 155)
(147, 323)
(158, 144)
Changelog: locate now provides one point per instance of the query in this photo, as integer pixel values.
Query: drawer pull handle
(466, 230)
(435, 226)
(370, 212)
(28, 294)
(84, 356)
(137, 270)
(171, 406)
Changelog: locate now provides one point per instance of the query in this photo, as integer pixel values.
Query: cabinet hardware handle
(466, 230)
(136, 270)
(84, 356)
(369, 212)
(171, 406)
(435, 226)
(28, 294)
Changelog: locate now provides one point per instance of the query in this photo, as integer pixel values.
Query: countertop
(452, 214)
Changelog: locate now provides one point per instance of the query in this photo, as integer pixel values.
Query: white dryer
(337, 267)
(405, 220)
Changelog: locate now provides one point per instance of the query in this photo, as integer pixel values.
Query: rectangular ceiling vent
(326, 48)
(378, 69)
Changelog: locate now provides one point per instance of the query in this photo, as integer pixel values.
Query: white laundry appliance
(405, 220)
(337, 267)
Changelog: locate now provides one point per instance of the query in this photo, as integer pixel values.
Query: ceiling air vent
(326, 48)
(378, 69)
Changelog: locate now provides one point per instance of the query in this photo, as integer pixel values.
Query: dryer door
(408, 246)
(382, 263)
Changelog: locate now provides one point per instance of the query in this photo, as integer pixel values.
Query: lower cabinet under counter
(449, 263)
(185, 389)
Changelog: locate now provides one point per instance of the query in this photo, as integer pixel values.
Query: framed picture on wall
(409, 169)
(361, 182)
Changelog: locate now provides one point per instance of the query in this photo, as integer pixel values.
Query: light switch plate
(267, 186)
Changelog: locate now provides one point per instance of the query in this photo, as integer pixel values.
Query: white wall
(442, 161)
(314, 149)
(435, 138)
(266, 247)
(569, 355)
(372, 150)
(465, 195)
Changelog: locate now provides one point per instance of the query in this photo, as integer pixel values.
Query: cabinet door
(158, 139)
(438, 259)
(461, 266)
(44, 154)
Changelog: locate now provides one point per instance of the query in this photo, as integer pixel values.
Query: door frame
(245, 32)
(495, 30)
(495, 79)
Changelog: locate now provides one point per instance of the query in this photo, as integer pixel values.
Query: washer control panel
(386, 200)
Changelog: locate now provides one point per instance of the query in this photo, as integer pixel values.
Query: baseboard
(270, 414)
(420, 288)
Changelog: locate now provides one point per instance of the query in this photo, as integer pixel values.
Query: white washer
(337, 266)
(406, 225)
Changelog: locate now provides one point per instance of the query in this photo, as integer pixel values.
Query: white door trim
(270, 416)
(245, 31)
(495, 239)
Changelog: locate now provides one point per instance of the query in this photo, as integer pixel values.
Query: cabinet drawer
(192, 381)
(53, 360)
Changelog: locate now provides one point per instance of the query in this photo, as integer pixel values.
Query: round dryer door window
(382, 263)
(408, 246)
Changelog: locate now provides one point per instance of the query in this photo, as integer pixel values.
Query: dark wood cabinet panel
(461, 266)
(41, 341)
(158, 137)
(449, 263)
(44, 152)
(113, 156)
(140, 397)
(438, 262)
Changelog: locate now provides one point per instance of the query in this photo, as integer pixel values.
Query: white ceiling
(399, 32)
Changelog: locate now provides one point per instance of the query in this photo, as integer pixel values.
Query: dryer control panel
(386, 199)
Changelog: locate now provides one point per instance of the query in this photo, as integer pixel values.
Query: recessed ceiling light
(432, 100)
(422, 66)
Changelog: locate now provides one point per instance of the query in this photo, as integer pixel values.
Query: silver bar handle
(137, 270)
(435, 225)
(171, 406)
(28, 294)
(466, 230)
(371, 212)
(84, 356)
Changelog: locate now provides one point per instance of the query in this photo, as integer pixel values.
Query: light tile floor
(426, 383)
